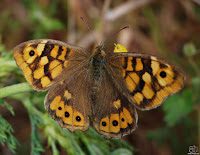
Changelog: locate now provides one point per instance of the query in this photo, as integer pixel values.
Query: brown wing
(149, 80)
(113, 115)
(68, 101)
(42, 61)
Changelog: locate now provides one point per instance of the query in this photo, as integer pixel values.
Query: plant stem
(6, 63)
(14, 89)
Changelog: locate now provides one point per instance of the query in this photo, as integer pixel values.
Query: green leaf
(8, 106)
(6, 135)
(178, 106)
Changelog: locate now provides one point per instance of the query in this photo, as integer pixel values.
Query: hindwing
(113, 115)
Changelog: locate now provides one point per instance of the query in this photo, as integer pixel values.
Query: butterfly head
(100, 50)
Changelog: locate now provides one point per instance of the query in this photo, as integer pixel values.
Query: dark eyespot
(78, 118)
(163, 74)
(59, 108)
(115, 123)
(32, 53)
(103, 123)
(66, 114)
(122, 119)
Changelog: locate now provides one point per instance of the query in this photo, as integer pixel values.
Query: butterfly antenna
(89, 29)
(116, 33)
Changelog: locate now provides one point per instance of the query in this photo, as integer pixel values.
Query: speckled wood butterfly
(106, 86)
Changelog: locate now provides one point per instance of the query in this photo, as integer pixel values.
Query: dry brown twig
(197, 1)
(123, 9)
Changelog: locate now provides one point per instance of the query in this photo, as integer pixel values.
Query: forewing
(149, 80)
(43, 61)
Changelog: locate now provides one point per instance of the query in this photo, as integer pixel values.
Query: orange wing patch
(60, 109)
(132, 81)
(45, 81)
(54, 103)
(43, 61)
(54, 51)
(67, 119)
(117, 103)
(138, 98)
(139, 65)
(38, 73)
(123, 121)
(114, 123)
(104, 124)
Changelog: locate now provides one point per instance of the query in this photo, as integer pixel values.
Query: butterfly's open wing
(112, 114)
(63, 68)
(68, 102)
(42, 61)
(149, 80)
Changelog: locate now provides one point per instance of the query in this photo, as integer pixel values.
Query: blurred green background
(168, 29)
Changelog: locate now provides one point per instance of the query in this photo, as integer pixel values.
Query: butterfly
(100, 87)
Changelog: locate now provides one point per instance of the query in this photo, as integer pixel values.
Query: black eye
(163, 74)
(78, 118)
(122, 119)
(31, 53)
(59, 108)
(115, 123)
(66, 114)
(103, 123)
